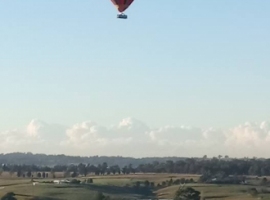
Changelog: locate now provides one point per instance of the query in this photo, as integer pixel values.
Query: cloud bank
(131, 137)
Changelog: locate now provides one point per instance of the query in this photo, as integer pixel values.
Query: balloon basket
(122, 16)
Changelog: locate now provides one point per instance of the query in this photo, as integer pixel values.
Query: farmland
(122, 187)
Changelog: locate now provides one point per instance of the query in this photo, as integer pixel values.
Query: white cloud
(250, 139)
(172, 134)
(89, 136)
(37, 136)
(86, 133)
(132, 124)
(132, 137)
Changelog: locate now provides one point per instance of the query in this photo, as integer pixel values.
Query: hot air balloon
(121, 6)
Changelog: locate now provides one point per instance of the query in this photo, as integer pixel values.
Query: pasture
(122, 187)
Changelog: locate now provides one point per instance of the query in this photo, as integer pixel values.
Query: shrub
(9, 196)
(89, 180)
(264, 181)
(75, 181)
(187, 194)
(253, 191)
(163, 183)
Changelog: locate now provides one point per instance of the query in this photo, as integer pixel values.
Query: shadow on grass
(29, 197)
(54, 193)
(116, 190)
(14, 184)
(43, 198)
(215, 197)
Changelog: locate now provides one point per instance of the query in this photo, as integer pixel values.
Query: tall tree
(43, 175)
(19, 172)
(29, 174)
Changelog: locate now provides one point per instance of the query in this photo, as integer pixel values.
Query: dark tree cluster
(51, 160)
(187, 194)
(206, 167)
(28, 171)
(224, 167)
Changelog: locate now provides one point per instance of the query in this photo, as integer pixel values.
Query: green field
(121, 186)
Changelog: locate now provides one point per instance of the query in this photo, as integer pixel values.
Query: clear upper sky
(197, 63)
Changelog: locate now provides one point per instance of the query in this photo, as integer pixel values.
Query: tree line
(212, 166)
(51, 160)
(258, 167)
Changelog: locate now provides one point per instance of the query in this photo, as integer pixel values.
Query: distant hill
(51, 160)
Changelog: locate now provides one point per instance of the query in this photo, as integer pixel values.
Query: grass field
(121, 186)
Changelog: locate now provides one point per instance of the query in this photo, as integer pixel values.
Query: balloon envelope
(122, 5)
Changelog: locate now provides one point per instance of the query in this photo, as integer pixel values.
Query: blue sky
(194, 63)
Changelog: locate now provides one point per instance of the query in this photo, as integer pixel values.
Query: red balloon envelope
(122, 5)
